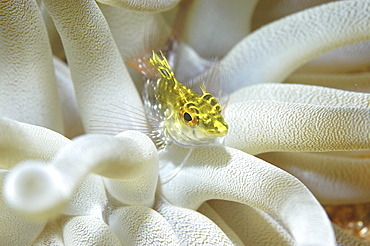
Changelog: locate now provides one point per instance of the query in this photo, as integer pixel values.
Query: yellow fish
(175, 113)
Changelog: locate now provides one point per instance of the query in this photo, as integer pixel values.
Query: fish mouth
(219, 129)
(217, 132)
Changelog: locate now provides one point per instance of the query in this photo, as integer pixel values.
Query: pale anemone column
(95, 63)
(28, 87)
(271, 53)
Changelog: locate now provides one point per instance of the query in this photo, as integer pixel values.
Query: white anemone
(115, 190)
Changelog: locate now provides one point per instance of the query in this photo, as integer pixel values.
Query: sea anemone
(291, 148)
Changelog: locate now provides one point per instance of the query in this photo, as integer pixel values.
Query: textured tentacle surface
(344, 178)
(21, 141)
(249, 180)
(241, 219)
(94, 231)
(282, 126)
(16, 229)
(29, 92)
(96, 65)
(271, 53)
(191, 227)
(138, 225)
(142, 5)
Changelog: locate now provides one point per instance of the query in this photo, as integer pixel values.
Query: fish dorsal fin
(203, 87)
(162, 65)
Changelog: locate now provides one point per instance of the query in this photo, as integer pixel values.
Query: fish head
(198, 122)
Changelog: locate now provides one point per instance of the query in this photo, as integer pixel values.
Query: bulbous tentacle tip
(35, 190)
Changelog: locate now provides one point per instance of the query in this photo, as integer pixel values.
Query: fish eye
(187, 117)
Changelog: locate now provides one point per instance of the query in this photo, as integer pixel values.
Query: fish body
(175, 113)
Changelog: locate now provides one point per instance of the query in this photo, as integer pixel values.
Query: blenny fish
(176, 113)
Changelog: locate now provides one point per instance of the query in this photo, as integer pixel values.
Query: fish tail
(143, 66)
